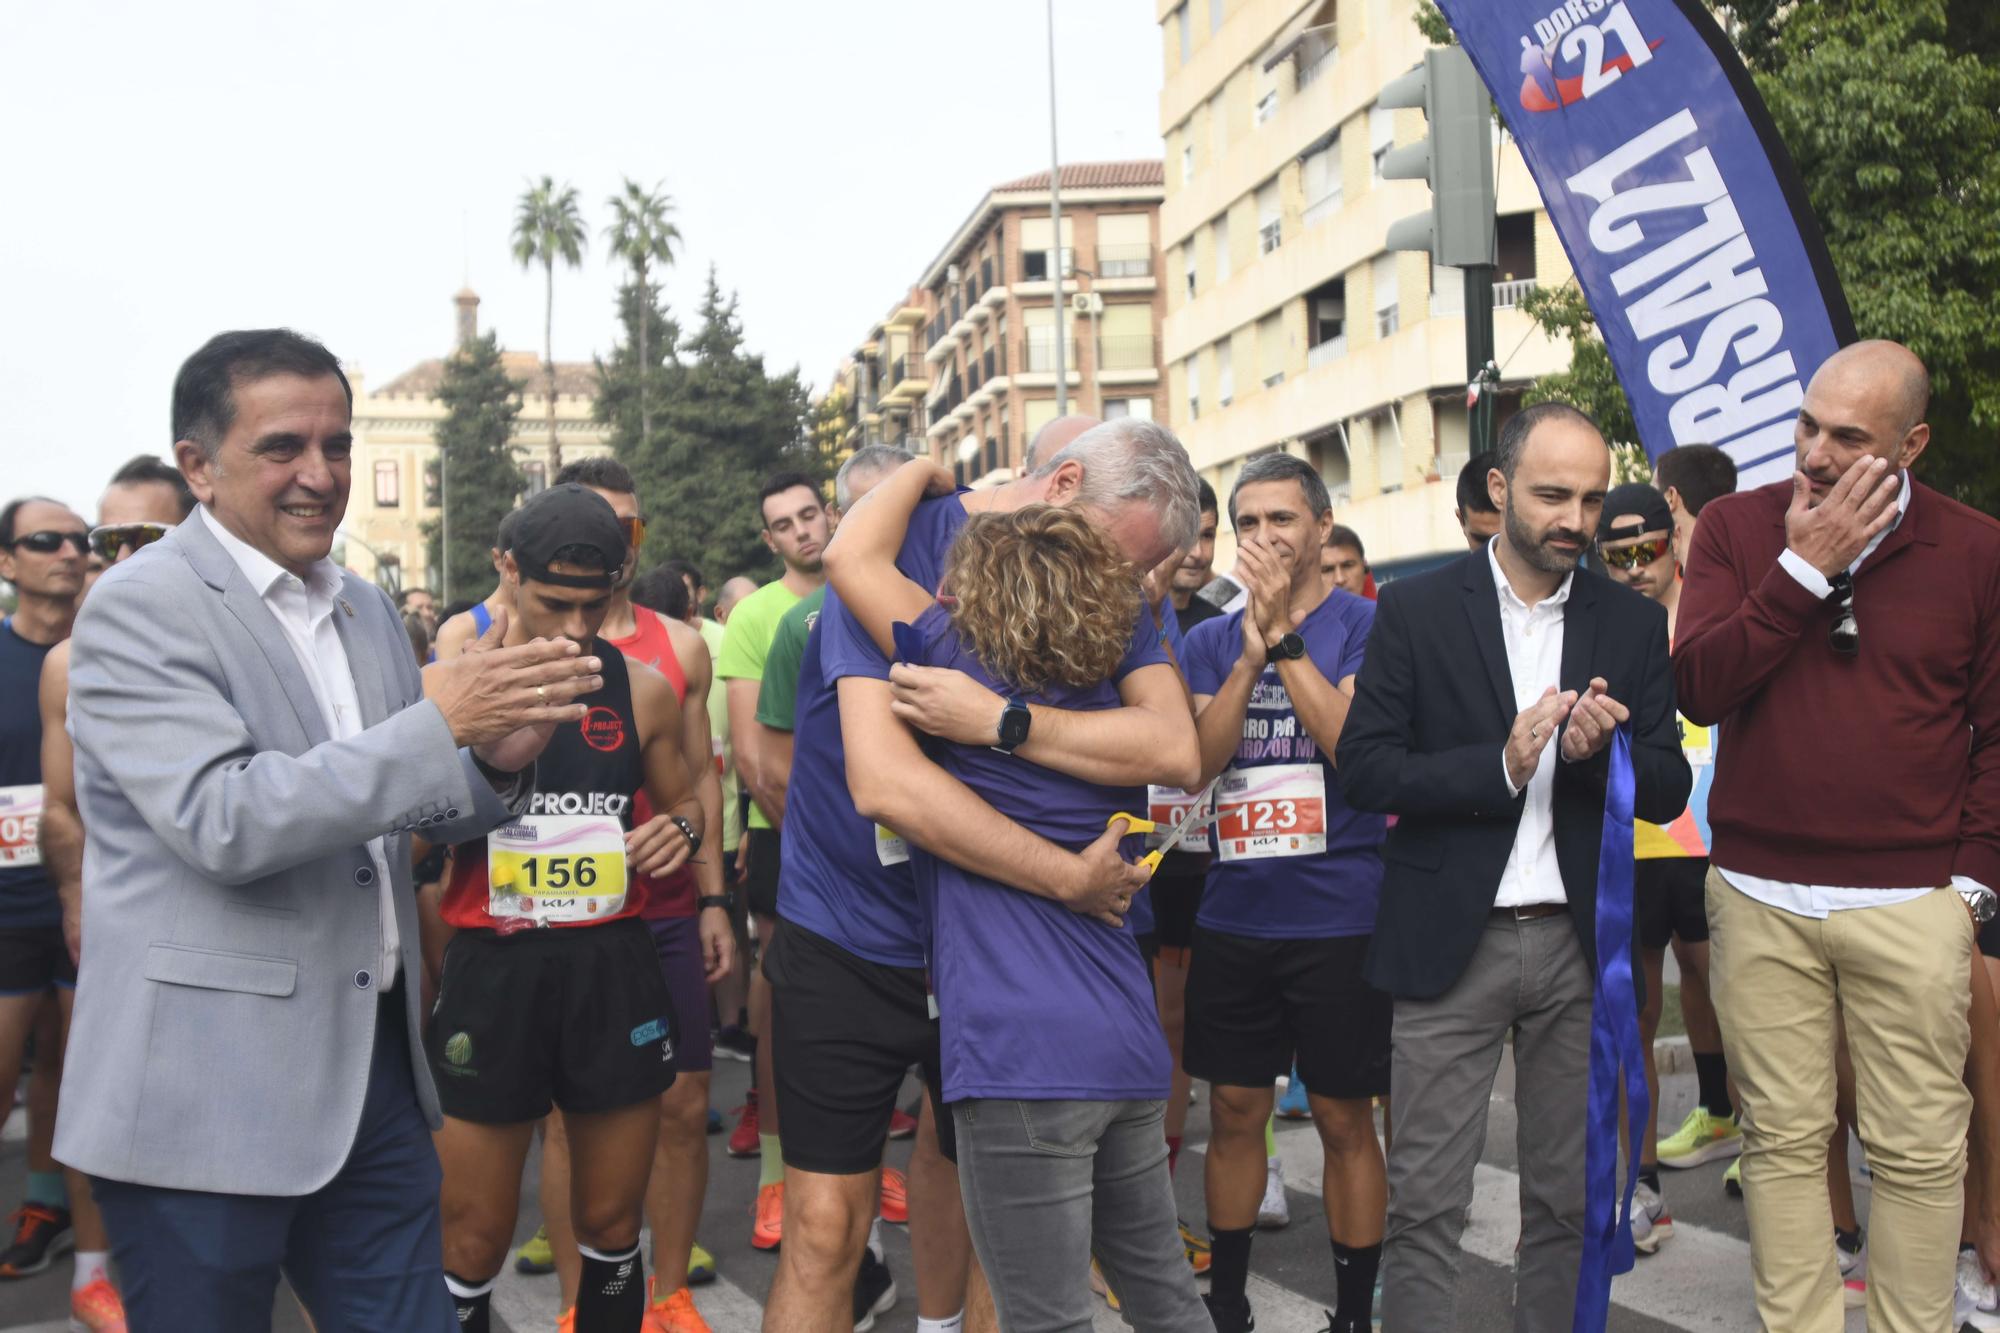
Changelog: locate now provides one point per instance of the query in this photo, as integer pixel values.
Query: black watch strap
(687, 831)
(708, 900)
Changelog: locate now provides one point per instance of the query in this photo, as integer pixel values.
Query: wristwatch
(1290, 648)
(708, 900)
(1981, 902)
(1014, 720)
(687, 831)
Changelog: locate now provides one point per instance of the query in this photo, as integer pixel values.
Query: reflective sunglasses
(1631, 557)
(109, 540)
(635, 531)
(1844, 634)
(48, 543)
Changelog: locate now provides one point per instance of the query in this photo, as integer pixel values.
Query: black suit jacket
(1432, 708)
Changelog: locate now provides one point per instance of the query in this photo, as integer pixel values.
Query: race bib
(550, 869)
(1697, 744)
(20, 820)
(1278, 810)
(1168, 806)
(890, 849)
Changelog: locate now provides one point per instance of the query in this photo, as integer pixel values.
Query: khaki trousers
(1899, 975)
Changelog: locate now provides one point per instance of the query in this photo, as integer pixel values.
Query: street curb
(1672, 1056)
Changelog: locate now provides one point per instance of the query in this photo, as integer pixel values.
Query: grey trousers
(1528, 977)
(1047, 1185)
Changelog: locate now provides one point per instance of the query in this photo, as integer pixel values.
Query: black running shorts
(578, 1017)
(1669, 898)
(32, 959)
(1176, 899)
(760, 877)
(844, 1032)
(1254, 1006)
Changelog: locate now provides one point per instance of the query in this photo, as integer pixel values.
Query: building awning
(1317, 13)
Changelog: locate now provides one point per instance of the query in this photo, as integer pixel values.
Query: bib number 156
(559, 872)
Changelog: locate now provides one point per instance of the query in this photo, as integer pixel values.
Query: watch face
(1292, 646)
(1013, 726)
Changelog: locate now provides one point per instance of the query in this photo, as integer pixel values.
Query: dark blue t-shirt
(1292, 860)
(1036, 1002)
(27, 895)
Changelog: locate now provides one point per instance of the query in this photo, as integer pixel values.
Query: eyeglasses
(1844, 634)
(48, 543)
(111, 539)
(635, 531)
(1631, 557)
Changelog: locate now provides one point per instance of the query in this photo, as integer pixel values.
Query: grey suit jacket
(226, 1008)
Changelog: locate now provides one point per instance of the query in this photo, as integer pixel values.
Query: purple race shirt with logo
(1318, 896)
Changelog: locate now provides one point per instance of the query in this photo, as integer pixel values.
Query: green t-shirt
(718, 731)
(778, 699)
(746, 642)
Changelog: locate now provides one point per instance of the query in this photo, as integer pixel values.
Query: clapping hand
(1592, 721)
(1530, 734)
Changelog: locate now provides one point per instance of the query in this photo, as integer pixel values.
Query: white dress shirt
(304, 610)
(1534, 639)
(1822, 900)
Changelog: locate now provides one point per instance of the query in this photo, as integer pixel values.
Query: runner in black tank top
(550, 994)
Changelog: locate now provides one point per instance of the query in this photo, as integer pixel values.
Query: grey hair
(869, 459)
(1283, 467)
(1131, 459)
(1514, 435)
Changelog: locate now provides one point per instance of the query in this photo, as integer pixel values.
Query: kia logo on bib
(603, 729)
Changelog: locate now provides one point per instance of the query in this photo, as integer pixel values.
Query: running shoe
(95, 1308)
(1200, 1254)
(769, 1228)
(1974, 1300)
(674, 1314)
(40, 1234)
(743, 1140)
(701, 1266)
(895, 1196)
(1651, 1222)
(1732, 1179)
(1229, 1317)
(733, 1043)
(874, 1291)
(1293, 1104)
(566, 1321)
(714, 1121)
(1701, 1138)
(1852, 1256)
(1275, 1213)
(902, 1125)
(535, 1258)
(1102, 1285)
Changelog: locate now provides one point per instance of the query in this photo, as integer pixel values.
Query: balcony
(1131, 351)
(1449, 298)
(1035, 264)
(1041, 354)
(906, 381)
(1124, 261)
(1331, 350)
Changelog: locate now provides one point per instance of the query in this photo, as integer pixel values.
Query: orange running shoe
(95, 1308)
(566, 1321)
(675, 1314)
(770, 1225)
(895, 1196)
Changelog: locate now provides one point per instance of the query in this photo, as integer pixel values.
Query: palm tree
(641, 235)
(547, 226)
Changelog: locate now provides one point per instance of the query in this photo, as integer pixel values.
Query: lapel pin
(348, 607)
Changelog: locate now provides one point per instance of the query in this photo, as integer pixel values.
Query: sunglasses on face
(48, 543)
(113, 538)
(1631, 557)
(635, 531)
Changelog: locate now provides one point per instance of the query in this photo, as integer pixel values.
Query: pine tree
(481, 479)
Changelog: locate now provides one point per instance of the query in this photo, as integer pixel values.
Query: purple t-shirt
(1287, 868)
(1036, 1002)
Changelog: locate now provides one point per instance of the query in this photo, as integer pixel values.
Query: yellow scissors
(1199, 815)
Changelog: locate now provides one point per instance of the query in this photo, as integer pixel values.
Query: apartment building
(1288, 326)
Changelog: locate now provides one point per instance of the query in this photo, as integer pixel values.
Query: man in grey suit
(255, 754)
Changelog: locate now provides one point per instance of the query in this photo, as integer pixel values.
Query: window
(1124, 245)
(1219, 230)
(1185, 23)
(1125, 336)
(1191, 371)
(1319, 175)
(1267, 106)
(1187, 163)
(1217, 11)
(1218, 125)
(1187, 249)
(1388, 452)
(1388, 317)
(389, 574)
(1381, 138)
(537, 474)
(1225, 374)
(433, 494)
(1317, 52)
(1271, 349)
(1326, 322)
(1270, 222)
(1142, 408)
(388, 484)
(1038, 243)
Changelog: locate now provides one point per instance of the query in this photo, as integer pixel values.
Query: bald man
(1844, 628)
(733, 591)
(1051, 439)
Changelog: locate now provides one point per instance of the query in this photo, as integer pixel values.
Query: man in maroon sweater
(1844, 630)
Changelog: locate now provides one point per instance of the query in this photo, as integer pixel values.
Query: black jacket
(1432, 708)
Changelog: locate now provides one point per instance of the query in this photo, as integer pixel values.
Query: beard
(1534, 547)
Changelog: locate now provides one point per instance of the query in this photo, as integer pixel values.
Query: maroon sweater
(1880, 771)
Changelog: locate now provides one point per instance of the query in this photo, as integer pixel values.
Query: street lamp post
(1055, 223)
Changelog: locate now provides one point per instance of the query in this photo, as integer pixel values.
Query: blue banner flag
(1682, 213)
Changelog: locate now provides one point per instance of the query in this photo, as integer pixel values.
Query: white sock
(875, 1241)
(90, 1266)
(468, 1291)
(951, 1325)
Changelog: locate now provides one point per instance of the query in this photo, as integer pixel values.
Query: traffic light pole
(1479, 353)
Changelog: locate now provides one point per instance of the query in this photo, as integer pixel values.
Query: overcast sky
(174, 170)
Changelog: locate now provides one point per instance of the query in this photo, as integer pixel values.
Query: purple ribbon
(1614, 1049)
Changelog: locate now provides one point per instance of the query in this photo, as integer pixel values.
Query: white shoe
(1651, 1222)
(1974, 1300)
(1853, 1274)
(1274, 1212)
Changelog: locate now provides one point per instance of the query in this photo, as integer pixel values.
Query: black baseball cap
(1634, 497)
(575, 521)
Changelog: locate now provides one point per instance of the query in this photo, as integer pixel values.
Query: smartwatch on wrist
(1290, 648)
(708, 900)
(1014, 720)
(687, 831)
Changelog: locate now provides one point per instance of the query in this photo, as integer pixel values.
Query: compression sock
(470, 1302)
(612, 1296)
(772, 1156)
(1229, 1269)
(1711, 1072)
(1270, 1138)
(1173, 1152)
(1354, 1268)
(47, 1189)
(90, 1266)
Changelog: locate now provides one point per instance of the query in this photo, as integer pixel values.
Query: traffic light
(1457, 160)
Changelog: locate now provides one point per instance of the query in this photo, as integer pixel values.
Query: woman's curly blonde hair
(1040, 597)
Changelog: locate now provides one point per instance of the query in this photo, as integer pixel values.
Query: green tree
(1589, 385)
(642, 234)
(480, 479)
(722, 425)
(827, 425)
(548, 227)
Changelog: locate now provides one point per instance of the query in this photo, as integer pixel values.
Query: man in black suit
(1482, 715)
